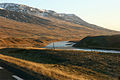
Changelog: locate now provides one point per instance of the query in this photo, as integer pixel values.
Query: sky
(105, 13)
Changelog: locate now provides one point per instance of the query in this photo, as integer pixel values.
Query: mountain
(21, 25)
(47, 13)
(102, 42)
(18, 16)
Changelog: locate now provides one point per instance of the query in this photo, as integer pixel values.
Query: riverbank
(85, 65)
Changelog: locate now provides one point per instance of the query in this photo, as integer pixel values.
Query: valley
(40, 44)
(24, 25)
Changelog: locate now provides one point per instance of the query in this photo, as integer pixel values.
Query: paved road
(6, 75)
(10, 73)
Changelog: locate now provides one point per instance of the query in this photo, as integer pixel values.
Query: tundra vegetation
(64, 65)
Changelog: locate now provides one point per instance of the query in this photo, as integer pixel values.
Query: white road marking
(1, 67)
(16, 77)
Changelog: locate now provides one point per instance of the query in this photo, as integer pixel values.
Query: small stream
(68, 46)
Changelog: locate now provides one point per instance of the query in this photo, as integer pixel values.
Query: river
(66, 45)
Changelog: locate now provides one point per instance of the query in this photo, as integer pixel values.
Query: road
(10, 73)
(6, 75)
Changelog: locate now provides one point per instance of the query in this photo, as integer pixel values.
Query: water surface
(68, 46)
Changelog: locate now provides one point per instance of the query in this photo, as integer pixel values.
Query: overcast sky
(105, 13)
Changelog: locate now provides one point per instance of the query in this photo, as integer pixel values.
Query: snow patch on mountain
(37, 12)
(46, 13)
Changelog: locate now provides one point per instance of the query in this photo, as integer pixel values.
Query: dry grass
(65, 65)
(59, 30)
(41, 69)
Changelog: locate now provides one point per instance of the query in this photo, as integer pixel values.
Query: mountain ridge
(17, 27)
(48, 13)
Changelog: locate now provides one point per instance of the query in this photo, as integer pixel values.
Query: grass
(66, 65)
(54, 30)
(100, 42)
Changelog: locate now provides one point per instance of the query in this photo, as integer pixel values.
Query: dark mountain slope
(18, 16)
(107, 42)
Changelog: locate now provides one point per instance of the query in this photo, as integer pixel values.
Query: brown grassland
(20, 43)
(21, 34)
(64, 65)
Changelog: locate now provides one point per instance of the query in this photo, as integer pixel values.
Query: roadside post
(53, 46)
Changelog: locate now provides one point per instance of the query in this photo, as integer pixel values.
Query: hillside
(24, 31)
(64, 65)
(19, 27)
(27, 18)
(45, 30)
(48, 14)
(105, 42)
